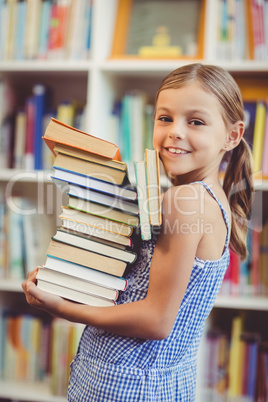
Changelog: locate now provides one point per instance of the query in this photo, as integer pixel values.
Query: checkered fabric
(110, 368)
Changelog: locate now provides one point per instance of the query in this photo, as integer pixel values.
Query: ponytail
(239, 188)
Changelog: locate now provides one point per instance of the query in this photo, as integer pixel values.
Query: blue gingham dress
(112, 368)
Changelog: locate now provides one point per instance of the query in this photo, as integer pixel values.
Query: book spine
(40, 103)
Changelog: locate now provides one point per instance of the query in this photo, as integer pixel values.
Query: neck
(211, 177)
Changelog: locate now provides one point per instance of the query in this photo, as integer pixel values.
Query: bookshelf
(98, 82)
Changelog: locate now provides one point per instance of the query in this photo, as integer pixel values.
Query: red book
(30, 130)
(235, 273)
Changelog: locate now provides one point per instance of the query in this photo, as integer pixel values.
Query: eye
(165, 118)
(196, 122)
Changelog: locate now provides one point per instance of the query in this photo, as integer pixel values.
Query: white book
(81, 285)
(74, 295)
(140, 173)
(88, 274)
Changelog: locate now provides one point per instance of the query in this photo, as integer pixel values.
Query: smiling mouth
(177, 151)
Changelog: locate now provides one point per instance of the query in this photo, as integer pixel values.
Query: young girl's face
(189, 132)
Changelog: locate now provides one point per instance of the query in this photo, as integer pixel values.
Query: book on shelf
(264, 165)
(74, 295)
(234, 366)
(86, 273)
(32, 352)
(235, 356)
(80, 241)
(45, 29)
(61, 177)
(59, 133)
(99, 227)
(73, 282)
(250, 114)
(40, 99)
(258, 136)
(86, 258)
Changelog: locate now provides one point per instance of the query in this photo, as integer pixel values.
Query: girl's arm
(152, 317)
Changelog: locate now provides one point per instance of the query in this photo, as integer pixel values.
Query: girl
(145, 348)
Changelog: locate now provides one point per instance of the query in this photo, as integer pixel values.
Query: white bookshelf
(99, 81)
(30, 392)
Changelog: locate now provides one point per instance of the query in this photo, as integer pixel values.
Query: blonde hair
(238, 182)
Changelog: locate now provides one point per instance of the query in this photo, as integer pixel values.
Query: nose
(177, 131)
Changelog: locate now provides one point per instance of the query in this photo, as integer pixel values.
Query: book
(102, 199)
(85, 273)
(30, 124)
(86, 258)
(141, 174)
(235, 355)
(250, 114)
(65, 176)
(60, 133)
(44, 28)
(74, 295)
(103, 211)
(33, 16)
(90, 169)
(153, 184)
(265, 143)
(21, 29)
(258, 135)
(99, 239)
(91, 245)
(40, 95)
(72, 282)
(99, 234)
(20, 137)
(96, 225)
(87, 156)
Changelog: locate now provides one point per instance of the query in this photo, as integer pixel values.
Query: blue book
(40, 92)
(250, 114)
(126, 128)
(252, 367)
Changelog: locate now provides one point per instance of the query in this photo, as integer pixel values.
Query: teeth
(177, 151)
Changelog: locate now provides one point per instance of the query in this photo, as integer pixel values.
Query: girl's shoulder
(194, 200)
(188, 198)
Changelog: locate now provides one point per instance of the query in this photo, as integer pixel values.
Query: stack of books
(89, 253)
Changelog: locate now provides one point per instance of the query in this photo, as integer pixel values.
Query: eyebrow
(190, 111)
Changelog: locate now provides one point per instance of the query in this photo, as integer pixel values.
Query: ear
(235, 136)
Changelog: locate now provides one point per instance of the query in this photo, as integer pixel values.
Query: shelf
(242, 302)
(159, 67)
(10, 285)
(23, 391)
(46, 66)
(27, 176)
(142, 67)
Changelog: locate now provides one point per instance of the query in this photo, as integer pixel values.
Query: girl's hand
(38, 298)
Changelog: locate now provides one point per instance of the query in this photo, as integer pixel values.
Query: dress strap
(224, 213)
